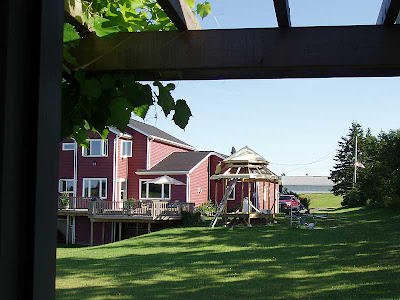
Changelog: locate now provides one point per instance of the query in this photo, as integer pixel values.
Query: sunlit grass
(354, 254)
(324, 200)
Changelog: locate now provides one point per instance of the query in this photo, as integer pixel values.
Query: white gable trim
(204, 159)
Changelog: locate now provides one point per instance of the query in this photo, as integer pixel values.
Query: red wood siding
(159, 151)
(136, 162)
(85, 165)
(199, 184)
(66, 162)
(102, 169)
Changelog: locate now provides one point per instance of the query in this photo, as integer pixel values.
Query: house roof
(157, 134)
(246, 155)
(307, 180)
(182, 162)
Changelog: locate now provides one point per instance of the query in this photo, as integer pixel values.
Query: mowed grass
(354, 254)
(324, 200)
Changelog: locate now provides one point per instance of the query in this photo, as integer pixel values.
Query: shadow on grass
(358, 260)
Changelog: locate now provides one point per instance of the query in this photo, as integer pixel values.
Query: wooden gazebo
(246, 166)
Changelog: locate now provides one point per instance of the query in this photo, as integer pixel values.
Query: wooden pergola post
(273, 213)
(216, 192)
(269, 202)
(263, 196)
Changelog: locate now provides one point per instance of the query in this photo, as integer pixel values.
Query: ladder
(221, 206)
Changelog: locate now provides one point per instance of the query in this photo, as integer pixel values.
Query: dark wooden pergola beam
(282, 12)
(310, 52)
(180, 14)
(389, 11)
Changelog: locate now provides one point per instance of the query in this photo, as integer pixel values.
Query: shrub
(305, 201)
(352, 198)
(64, 199)
(206, 209)
(190, 219)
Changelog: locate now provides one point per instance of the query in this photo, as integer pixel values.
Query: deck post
(91, 233)
(137, 229)
(67, 232)
(120, 231)
(249, 199)
(148, 227)
(103, 233)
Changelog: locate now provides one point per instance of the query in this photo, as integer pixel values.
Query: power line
(305, 164)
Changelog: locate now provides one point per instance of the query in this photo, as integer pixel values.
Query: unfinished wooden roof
(246, 165)
(245, 156)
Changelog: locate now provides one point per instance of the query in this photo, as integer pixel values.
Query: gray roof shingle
(179, 161)
(155, 132)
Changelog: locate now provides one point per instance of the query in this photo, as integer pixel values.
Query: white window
(96, 148)
(231, 196)
(154, 191)
(122, 189)
(95, 187)
(68, 146)
(126, 148)
(66, 186)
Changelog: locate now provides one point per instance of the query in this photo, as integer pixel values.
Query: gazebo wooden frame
(247, 171)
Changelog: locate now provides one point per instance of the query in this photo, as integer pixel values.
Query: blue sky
(291, 122)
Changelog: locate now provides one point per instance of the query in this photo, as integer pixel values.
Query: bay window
(154, 191)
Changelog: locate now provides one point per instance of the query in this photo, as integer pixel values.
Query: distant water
(309, 189)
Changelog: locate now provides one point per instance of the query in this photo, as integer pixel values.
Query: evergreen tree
(343, 170)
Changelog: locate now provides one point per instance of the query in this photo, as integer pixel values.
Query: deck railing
(73, 203)
(153, 209)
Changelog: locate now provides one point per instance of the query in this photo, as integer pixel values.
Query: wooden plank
(282, 12)
(388, 13)
(180, 14)
(312, 52)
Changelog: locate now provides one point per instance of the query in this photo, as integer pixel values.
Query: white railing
(72, 203)
(152, 209)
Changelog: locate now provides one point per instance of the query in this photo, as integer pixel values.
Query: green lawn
(355, 254)
(324, 200)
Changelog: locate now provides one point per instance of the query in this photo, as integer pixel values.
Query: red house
(119, 168)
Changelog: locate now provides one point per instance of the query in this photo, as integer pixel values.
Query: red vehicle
(288, 201)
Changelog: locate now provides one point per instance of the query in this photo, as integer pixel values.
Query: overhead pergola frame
(257, 53)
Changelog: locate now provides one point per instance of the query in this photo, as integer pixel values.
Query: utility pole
(355, 165)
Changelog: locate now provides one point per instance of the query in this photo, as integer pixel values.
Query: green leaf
(164, 97)
(204, 9)
(120, 109)
(190, 3)
(81, 137)
(182, 113)
(92, 88)
(69, 58)
(80, 76)
(70, 34)
(141, 111)
(107, 82)
(104, 27)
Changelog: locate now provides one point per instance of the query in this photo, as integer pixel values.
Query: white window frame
(103, 147)
(120, 181)
(60, 185)
(68, 144)
(122, 148)
(100, 188)
(147, 191)
(233, 193)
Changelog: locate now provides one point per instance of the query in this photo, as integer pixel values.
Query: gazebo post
(224, 182)
(216, 193)
(249, 199)
(241, 205)
(263, 195)
(273, 214)
(269, 202)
